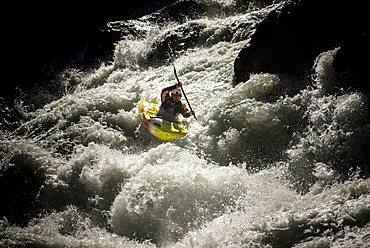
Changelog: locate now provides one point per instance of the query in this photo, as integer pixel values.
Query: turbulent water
(270, 163)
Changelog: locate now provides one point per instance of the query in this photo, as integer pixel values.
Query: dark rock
(348, 220)
(291, 37)
(180, 12)
(11, 117)
(21, 179)
(362, 214)
(101, 48)
(351, 63)
(42, 39)
(180, 39)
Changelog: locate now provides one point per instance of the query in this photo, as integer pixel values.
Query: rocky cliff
(291, 37)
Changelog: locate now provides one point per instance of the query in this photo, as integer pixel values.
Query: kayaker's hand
(192, 113)
(179, 85)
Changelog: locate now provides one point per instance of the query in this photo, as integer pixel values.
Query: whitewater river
(267, 165)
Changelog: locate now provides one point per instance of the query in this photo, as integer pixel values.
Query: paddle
(182, 90)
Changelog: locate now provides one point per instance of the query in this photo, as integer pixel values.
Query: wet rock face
(181, 39)
(351, 64)
(21, 181)
(180, 12)
(291, 37)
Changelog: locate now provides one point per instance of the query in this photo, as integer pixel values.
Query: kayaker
(171, 104)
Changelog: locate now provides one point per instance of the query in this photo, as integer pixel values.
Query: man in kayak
(171, 104)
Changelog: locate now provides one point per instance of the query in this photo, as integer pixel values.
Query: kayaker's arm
(186, 112)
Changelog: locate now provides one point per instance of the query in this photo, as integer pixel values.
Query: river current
(270, 163)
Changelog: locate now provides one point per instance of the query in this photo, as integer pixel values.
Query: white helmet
(176, 92)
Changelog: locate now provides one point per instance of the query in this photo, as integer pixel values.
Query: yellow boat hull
(162, 129)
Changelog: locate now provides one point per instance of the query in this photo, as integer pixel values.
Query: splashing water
(88, 174)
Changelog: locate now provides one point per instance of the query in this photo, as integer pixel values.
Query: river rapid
(272, 162)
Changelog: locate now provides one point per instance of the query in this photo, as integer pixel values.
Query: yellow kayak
(162, 129)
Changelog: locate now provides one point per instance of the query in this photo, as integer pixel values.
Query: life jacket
(172, 107)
